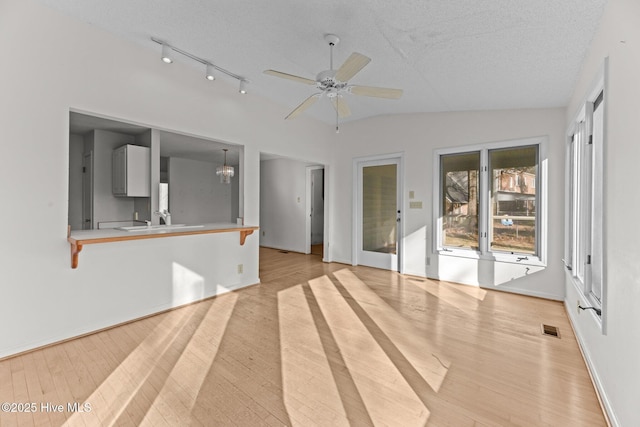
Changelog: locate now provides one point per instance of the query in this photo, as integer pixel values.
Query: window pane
(459, 184)
(379, 205)
(596, 203)
(581, 202)
(513, 198)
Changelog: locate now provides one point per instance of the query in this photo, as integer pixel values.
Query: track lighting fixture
(243, 87)
(167, 56)
(210, 75)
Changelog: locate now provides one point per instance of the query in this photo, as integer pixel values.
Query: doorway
(315, 210)
(377, 212)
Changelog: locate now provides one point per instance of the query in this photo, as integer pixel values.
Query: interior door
(378, 213)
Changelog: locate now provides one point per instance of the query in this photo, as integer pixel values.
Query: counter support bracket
(243, 235)
(75, 251)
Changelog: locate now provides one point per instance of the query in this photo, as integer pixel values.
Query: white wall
(142, 205)
(76, 153)
(417, 136)
(283, 202)
(196, 195)
(43, 299)
(614, 358)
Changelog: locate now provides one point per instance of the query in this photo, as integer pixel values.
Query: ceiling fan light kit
(334, 84)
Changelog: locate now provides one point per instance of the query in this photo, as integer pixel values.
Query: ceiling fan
(334, 84)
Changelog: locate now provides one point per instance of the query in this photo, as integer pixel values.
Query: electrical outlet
(428, 261)
(263, 233)
(578, 306)
(240, 268)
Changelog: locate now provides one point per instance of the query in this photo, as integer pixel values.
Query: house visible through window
(489, 200)
(513, 199)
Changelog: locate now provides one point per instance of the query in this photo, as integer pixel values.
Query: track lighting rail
(200, 60)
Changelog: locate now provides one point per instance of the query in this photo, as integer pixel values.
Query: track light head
(167, 58)
(243, 87)
(209, 75)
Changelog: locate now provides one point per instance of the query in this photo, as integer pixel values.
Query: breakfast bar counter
(79, 238)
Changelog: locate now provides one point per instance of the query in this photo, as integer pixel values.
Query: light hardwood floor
(318, 344)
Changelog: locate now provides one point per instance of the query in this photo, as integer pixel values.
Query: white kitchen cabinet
(131, 171)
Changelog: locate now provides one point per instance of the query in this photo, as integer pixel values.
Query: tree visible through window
(460, 199)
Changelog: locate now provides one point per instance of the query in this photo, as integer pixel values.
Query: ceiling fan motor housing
(326, 78)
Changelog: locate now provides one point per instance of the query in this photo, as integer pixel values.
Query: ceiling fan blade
(378, 92)
(341, 107)
(351, 66)
(305, 104)
(290, 77)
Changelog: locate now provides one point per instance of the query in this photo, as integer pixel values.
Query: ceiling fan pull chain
(337, 115)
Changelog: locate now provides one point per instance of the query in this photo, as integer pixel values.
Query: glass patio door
(378, 213)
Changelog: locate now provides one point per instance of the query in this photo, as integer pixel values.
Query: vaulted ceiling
(447, 55)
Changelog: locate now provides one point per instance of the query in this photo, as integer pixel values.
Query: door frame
(308, 209)
(399, 157)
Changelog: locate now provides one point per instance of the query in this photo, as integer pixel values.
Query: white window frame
(584, 187)
(484, 252)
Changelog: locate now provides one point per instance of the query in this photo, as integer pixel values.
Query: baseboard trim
(605, 405)
(284, 249)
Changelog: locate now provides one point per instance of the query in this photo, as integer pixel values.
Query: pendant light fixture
(225, 172)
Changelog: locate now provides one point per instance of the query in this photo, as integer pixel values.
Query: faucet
(166, 216)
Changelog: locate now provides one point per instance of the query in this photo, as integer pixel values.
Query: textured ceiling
(447, 55)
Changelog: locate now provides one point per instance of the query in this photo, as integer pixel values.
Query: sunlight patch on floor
(118, 389)
(472, 291)
(388, 397)
(428, 361)
(181, 389)
(306, 375)
(449, 295)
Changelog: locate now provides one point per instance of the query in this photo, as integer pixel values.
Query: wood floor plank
(319, 344)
